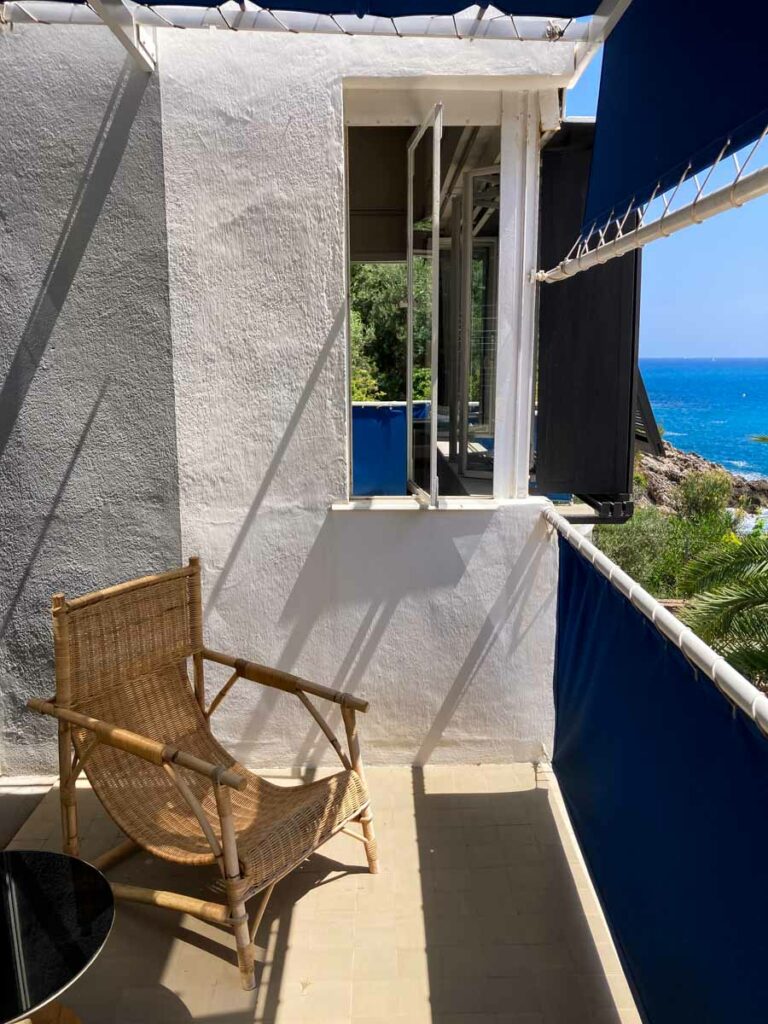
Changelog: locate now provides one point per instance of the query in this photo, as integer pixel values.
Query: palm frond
(746, 645)
(752, 662)
(712, 613)
(726, 564)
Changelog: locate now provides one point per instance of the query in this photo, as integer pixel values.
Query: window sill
(446, 504)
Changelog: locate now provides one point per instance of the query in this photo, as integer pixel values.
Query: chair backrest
(121, 656)
(114, 641)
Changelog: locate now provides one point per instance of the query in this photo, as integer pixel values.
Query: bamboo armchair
(129, 717)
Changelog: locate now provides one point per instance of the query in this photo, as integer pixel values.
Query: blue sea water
(713, 407)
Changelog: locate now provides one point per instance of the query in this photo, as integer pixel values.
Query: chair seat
(279, 826)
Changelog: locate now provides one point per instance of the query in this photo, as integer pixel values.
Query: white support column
(139, 42)
(518, 245)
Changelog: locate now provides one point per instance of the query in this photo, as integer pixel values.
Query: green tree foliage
(654, 547)
(364, 384)
(694, 553)
(378, 295)
(701, 495)
(378, 327)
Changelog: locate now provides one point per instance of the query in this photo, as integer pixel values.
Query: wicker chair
(130, 719)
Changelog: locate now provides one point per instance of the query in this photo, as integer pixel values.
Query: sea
(713, 407)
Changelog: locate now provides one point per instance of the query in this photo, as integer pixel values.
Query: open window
(423, 248)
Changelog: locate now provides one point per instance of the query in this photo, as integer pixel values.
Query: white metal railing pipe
(751, 186)
(731, 683)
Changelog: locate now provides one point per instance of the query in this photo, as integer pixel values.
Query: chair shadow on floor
(16, 805)
(149, 946)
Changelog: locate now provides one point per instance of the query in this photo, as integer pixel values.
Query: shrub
(703, 494)
(654, 547)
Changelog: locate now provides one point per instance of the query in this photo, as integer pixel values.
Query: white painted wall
(444, 620)
(88, 489)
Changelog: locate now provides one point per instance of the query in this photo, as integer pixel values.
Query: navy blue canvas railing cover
(666, 784)
(679, 79)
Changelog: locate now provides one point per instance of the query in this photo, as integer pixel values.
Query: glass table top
(55, 915)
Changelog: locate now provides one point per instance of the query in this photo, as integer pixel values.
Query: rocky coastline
(664, 473)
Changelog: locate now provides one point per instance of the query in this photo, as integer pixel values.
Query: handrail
(731, 683)
(750, 186)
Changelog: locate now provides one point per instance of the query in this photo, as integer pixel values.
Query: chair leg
(234, 882)
(67, 792)
(355, 757)
(371, 849)
(246, 959)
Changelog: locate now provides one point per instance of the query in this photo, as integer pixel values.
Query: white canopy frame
(659, 218)
(472, 23)
(129, 22)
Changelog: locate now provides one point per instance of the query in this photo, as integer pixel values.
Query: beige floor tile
(374, 999)
(313, 965)
(413, 964)
(482, 914)
(372, 963)
(323, 1001)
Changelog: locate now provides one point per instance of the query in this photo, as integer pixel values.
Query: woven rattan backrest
(111, 639)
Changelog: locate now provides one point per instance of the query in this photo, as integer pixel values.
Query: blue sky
(705, 290)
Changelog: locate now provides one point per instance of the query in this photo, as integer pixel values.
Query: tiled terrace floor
(482, 914)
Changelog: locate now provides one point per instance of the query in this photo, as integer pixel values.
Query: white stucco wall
(88, 486)
(444, 620)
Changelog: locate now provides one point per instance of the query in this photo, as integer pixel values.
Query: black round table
(56, 913)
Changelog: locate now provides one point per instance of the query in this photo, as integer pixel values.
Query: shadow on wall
(506, 613)
(88, 465)
(343, 570)
(335, 337)
(50, 515)
(359, 572)
(84, 211)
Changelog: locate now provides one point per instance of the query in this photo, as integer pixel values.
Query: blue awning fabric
(666, 784)
(679, 79)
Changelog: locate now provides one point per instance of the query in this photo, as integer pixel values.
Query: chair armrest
(138, 745)
(284, 680)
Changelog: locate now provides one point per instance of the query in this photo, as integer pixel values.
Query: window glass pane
(482, 364)
(422, 384)
(480, 245)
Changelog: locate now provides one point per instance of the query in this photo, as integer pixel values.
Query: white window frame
(519, 119)
(433, 120)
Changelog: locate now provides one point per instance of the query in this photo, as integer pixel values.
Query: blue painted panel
(666, 785)
(378, 449)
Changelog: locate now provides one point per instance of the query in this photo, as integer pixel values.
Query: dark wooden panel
(588, 341)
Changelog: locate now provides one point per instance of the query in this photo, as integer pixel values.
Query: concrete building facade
(173, 343)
